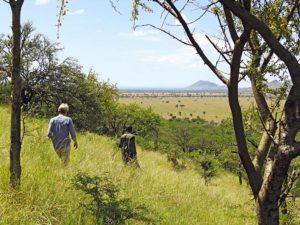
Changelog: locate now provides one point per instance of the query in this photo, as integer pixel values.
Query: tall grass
(169, 197)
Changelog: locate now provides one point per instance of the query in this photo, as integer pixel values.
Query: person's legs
(133, 160)
(125, 156)
(64, 155)
(58, 152)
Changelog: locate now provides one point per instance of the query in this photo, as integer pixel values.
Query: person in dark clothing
(127, 145)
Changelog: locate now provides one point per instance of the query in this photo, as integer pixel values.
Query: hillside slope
(168, 197)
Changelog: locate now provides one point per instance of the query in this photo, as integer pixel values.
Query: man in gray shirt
(58, 131)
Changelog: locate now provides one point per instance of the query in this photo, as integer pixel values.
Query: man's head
(63, 109)
(128, 128)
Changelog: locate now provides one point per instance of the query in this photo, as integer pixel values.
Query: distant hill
(199, 86)
(204, 85)
(274, 84)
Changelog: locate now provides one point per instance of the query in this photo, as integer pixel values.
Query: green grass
(170, 197)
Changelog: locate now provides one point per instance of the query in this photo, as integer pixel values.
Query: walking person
(59, 131)
(128, 147)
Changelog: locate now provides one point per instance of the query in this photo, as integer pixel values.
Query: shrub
(104, 204)
(207, 165)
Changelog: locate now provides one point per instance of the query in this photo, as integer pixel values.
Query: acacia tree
(39, 66)
(267, 169)
(285, 147)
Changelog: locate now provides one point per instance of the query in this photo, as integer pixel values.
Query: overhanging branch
(166, 32)
(218, 50)
(172, 8)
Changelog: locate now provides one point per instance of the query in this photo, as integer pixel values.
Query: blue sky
(100, 38)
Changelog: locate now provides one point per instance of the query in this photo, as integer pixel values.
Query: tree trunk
(15, 135)
(254, 178)
(267, 202)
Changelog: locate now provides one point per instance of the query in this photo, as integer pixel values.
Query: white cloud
(201, 40)
(184, 56)
(42, 2)
(76, 12)
(150, 35)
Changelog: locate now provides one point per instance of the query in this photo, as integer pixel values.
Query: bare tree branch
(184, 6)
(178, 15)
(166, 32)
(113, 5)
(227, 43)
(218, 50)
(268, 131)
(294, 176)
(230, 24)
(242, 77)
(166, 7)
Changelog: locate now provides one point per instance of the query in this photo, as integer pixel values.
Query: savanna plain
(207, 108)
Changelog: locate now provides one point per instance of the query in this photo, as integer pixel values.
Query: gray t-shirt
(59, 128)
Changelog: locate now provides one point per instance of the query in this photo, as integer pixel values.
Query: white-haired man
(60, 127)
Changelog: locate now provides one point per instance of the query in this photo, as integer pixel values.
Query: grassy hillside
(166, 196)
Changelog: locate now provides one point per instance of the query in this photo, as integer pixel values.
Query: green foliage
(183, 137)
(144, 121)
(279, 17)
(206, 146)
(46, 82)
(4, 92)
(104, 204)
(177, 158)
(89, 100)
(136, 6)
(207, 165)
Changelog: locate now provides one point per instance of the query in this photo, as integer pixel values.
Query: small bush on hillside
(176, 157)
(104, 203)
(207, 165)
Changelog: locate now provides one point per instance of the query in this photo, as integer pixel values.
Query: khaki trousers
(64, 155)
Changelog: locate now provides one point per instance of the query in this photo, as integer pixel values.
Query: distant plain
(207, 108)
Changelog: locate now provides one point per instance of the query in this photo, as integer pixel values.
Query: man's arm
(73, 133)
(121, 142)
(50, 129)
(134, 147)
